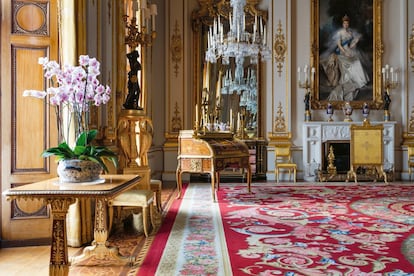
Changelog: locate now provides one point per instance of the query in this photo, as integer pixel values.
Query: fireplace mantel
(316, 133)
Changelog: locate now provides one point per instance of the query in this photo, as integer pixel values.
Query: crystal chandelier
(238, 42)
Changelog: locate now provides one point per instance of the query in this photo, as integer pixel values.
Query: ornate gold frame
(378, 49)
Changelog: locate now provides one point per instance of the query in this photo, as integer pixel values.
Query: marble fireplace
(318, 136)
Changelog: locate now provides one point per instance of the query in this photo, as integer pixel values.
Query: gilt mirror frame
(203, 16)
(327, 17)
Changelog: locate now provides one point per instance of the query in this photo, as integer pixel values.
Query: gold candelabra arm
(138, 36)
(389, 82)
(307, 84)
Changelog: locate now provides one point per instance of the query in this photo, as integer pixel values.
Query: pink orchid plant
(75, 89)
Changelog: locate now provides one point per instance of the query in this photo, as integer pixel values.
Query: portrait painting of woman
(345, 50)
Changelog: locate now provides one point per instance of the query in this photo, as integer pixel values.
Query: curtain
(72, 35)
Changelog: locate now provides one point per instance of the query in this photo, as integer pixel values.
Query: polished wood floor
(31, 260)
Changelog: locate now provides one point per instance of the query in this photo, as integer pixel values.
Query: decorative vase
(347, 108)
(365, 111)
(330, 112)
(76, 171)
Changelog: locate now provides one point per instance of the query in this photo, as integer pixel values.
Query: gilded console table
(60, 196)
(210, 153)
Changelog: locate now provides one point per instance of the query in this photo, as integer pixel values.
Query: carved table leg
(99, 247)
(59, 264)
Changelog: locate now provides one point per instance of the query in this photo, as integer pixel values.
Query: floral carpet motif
(319, 230)
(194, 244)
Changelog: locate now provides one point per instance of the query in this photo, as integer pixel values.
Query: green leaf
(86, 137)
(83, 150)
(79, 150)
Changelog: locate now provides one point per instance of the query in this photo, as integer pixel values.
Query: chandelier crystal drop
(238, 42)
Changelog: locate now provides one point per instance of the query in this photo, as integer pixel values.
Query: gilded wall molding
(279, 123)
(411, 48)
(176, 48)
(280, 133)
(279, 48)
(176, 124)
(411, 123)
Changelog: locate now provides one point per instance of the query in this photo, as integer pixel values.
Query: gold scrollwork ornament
(176, 48)
(279, 48)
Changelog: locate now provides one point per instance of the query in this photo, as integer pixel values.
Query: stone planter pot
(75, 171)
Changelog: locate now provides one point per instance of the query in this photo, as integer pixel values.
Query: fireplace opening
(341, 150)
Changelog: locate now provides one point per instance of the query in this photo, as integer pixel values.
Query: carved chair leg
(277, 175)
(151, 210)
(294, 175)
(145, 219)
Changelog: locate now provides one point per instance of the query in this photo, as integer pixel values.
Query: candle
(154, 12)
(143, 4)
(196, 113)
(208, 77)
(204, 76)
(305, 70)
(218, 88)
(261, 26)
(231, 119)
(134, 7)
(312, 74)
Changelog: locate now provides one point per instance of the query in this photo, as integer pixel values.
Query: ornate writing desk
(210, 153)
(60, 196)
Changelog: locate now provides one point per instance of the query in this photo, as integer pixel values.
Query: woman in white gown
(342, 64)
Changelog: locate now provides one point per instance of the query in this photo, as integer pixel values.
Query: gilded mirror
(228, 90)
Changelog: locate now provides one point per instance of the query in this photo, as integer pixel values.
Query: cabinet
(258, 157)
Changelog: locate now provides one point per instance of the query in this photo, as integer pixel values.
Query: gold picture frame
(334, 82)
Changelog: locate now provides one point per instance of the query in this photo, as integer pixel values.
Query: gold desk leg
(59, 264)
(178, 176)
(213, 185)
(99, 247)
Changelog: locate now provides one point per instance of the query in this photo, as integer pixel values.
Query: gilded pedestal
(135, 133)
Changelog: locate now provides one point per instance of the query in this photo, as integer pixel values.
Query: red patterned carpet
(319, 230)
(303, 229)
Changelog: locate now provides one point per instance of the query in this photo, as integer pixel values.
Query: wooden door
(29, 30)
